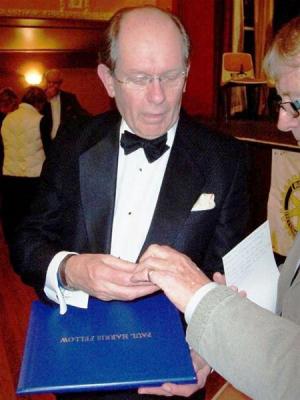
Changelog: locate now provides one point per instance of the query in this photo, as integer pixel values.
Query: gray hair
(284, 50)
(108, 47)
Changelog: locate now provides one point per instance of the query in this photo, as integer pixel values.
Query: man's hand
(105, 277)
(202, 370)
(172, 271)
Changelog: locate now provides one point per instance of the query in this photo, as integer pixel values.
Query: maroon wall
(198, 18)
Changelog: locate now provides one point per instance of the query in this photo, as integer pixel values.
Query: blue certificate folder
(109, 346)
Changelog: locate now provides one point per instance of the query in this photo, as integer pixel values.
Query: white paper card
(251, 266)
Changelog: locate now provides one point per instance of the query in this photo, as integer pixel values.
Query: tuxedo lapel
(180, 189)
(98, 174)
(63, 106)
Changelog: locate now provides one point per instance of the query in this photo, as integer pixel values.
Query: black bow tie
(153, 148)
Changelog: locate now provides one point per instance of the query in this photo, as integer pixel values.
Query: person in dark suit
(107, 193)
(61, 107)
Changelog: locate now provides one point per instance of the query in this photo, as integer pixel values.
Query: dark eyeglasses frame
(294, 110)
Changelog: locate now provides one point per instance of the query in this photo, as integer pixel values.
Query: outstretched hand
(176, 274)
(202, 370)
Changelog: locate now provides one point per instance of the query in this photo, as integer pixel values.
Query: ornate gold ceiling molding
(74, 9)
(71, 9)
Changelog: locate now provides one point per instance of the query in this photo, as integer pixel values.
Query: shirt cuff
(58, 294)
(196, 298)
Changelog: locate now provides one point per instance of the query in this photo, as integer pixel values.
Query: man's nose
(156, 91)
(286, 122)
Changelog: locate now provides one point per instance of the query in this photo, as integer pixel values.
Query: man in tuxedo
(145, 174)
(61, 107)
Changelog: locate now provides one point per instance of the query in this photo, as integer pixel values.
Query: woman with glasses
(282, 64)
(254, 349)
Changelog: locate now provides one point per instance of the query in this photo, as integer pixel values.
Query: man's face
(53, 83)
(288, 88)
(147, 46)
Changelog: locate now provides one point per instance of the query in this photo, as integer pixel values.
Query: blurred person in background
(23, 157)
(8, 103)
(61, 107)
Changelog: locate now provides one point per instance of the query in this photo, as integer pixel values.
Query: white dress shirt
(138, 186)
(137, 191)
(55, 108)
(196, 298)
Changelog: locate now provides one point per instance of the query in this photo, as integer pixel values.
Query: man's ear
(107, 79)
(187, 74)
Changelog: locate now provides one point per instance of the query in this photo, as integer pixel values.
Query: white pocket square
(206, 201)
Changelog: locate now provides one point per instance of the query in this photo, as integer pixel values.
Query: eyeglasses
(290, 107)
(141, 81)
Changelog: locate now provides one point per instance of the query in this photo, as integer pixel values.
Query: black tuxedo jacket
(69, 109)
(75, 206)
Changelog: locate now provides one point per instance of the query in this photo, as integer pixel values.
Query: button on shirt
(138, 187)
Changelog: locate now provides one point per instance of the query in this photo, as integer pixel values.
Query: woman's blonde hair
(284, 50)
